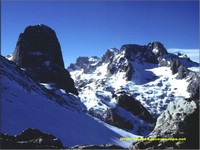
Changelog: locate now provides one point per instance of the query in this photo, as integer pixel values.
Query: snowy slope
(154, 95)
(26, 104)
(152, 85)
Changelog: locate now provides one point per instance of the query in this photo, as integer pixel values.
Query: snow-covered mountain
(26, 104)
(33, 95)
(132, 92)
(147, 75)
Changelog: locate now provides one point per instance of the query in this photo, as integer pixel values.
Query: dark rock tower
(39, 52)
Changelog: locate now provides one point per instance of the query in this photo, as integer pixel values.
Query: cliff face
(36, 45)
(38, 51)
(179, 120)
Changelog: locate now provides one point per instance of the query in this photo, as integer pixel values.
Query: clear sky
(89, 28)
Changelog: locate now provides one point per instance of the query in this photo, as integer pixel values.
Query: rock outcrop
(118, 121)
(147, 53)
(38, 51)
(182, 72)
(135, 107)
(157, 48)
(36, 45)
(174, 65)
(194, 86)
(30, 139)
(179, 120)
(180, 69)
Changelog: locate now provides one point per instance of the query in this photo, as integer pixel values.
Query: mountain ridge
(149, 69)
(128, 92)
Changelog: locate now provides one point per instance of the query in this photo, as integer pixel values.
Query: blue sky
(88, 28)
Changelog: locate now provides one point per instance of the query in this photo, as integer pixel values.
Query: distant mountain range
(135, 91)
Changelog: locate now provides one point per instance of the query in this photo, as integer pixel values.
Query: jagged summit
(38, 52)
(157, 48)
(146, 75)
(153, 53)
(144, 53)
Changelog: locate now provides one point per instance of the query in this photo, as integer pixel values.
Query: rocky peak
(108, 56)
(36, 45)
(85, 63)
(157, 48)
(132, 49)
(38, 51)
(144, 53)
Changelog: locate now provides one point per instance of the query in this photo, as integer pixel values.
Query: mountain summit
(38, 51)
(36, 45)
(136, 91)
(134, 81)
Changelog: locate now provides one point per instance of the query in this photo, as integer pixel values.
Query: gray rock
(179, 120)
(180, 69)
(182, 72)
(174, 65)
(121, 65)
(193, 87)
(108, 56)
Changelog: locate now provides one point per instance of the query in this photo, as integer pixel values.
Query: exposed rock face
(174, 65)
(30, 139)
(118, 72)
(135, 107)
(182, 72)
(108, 56)
(148, 53)
(177, 67)
(116, 65)
(118, 121)
(193, 86)
(84, 63)
(114, 68)
(179, 120)
(139, 53)
(157, 48)
(38, 51)
(112, 117)
(36, 45)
